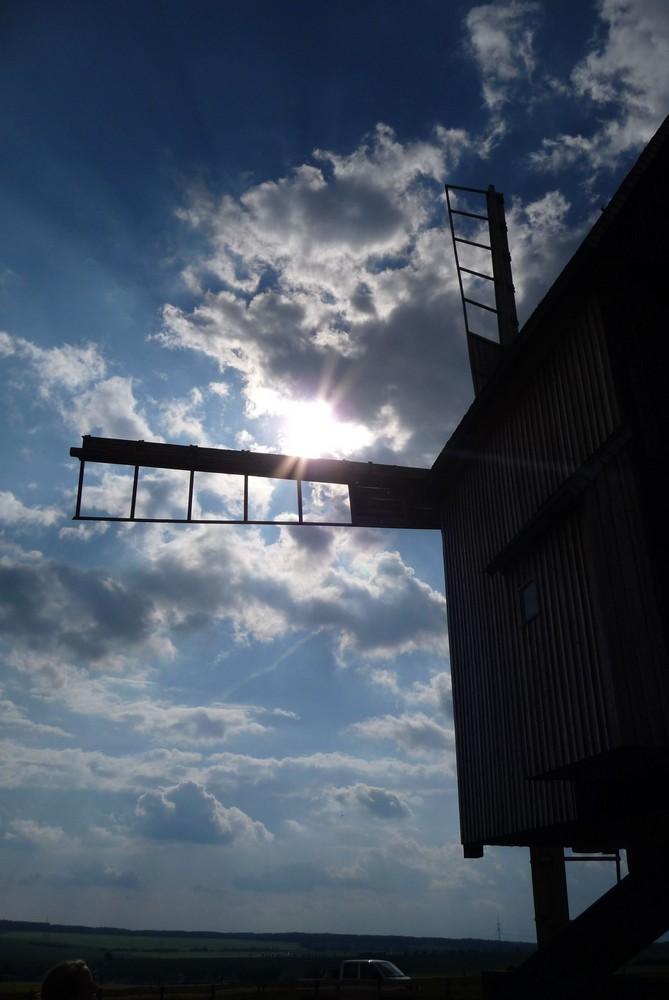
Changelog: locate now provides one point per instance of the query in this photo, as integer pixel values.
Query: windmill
(551, 499)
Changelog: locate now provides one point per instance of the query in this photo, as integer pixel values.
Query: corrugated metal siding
(577, 680)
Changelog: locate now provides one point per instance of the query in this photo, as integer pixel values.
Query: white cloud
(108, 490)
(92, 770)
(12, 714)
(184, 418)
(182, 725)
(187, 812)
(387, 679)
(76, 768)
(7, 347)
(367, 598)
(109, 408)
(33, 834)
(624, 78)
(334, 283)
(74, 379)
(86, 641)
(15, 513)
(84, 531)
(624, 67)
(69, 367)
(541, 240)
(502, 41)
(379, 802)
(416, 734)
(57, 619)
(434, 694)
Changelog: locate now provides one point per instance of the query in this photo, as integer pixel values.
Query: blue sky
(224, 225)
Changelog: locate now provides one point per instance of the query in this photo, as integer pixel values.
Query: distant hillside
(328, 943)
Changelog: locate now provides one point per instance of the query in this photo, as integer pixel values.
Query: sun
(309, 429)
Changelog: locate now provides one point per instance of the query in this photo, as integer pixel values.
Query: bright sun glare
(310, 430)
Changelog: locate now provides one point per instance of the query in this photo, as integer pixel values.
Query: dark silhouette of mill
(551, 497)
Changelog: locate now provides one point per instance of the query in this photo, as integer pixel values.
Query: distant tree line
(346, 944)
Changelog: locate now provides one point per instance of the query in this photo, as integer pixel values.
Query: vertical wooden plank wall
(577, 680)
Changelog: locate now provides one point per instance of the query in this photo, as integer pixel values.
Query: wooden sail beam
(383, 496)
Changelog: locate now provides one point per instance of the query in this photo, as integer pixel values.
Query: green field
(165, 946)
(172, 966)
(114, 957)
(171, 959)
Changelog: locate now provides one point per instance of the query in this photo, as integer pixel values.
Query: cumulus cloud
(85, 617)
(334, 283)
(623, 77)
(442, 686)
(75, 379)
(188, 813)
(185, 418)
(367, 598)
(15, 513)
(541, 238)
(109, 408)
(69, 367)
(378, 802)
(167, 767)
(435, 694)
(194, 726)
(371, 602)
(622, 68)
(84, 531)
(29, 833)
(416, 733)
(92, 770)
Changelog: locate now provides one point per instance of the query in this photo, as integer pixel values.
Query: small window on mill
(529, 601)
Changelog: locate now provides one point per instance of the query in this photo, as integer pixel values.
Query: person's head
(70, 980)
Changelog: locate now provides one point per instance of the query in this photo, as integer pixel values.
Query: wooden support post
(549, 888)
